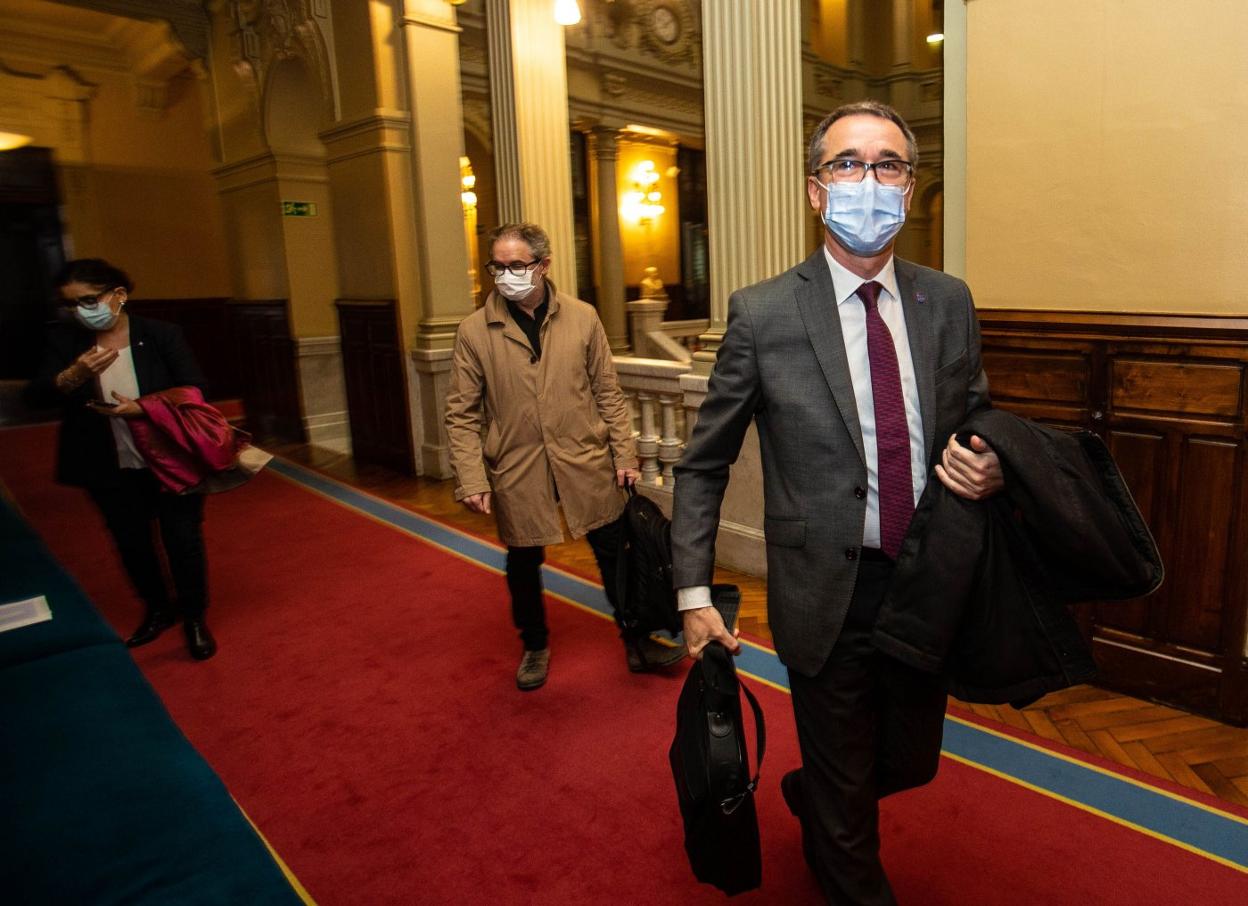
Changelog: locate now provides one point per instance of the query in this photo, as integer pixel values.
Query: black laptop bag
(710, 764)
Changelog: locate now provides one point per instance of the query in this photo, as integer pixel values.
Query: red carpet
(362, 710)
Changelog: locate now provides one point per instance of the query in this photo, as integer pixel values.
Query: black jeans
(129, 511)
(868, 726)
(524, 581)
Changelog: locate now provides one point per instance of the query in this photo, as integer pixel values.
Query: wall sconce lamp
(468, 201)
(567, 12)
(935, 39)
(641, 205)
(467, 182)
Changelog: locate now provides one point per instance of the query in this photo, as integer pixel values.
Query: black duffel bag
(710, 763)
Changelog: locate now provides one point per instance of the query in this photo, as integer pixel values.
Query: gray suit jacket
(782, 364)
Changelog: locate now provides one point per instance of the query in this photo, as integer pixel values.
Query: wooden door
(377, 401)
(267, 378)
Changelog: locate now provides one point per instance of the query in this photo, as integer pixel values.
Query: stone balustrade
(664, 397)
(656, 401)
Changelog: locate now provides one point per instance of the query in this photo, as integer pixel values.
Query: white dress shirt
(853, 315)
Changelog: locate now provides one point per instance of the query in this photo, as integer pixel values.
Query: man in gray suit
(857, 368)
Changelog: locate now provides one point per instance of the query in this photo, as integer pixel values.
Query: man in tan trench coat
(536, 421)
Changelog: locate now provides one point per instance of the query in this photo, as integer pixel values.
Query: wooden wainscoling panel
(268, 379)
(1167, 394)
(205, 322)
(372, 364)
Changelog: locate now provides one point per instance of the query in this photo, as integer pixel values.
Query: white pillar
(529, 107)
(610, 252)
(754, 157)
(430, 38)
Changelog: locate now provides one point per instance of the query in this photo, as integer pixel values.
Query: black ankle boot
(199, 641)
(150, 629)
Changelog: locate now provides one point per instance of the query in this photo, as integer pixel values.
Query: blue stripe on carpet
(1192, 825)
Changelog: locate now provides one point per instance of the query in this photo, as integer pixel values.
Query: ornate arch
(267, 32)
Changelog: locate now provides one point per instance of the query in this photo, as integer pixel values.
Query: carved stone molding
(268, 31)
(50, 106)
(670, 30)
(187, 18)
(477, 120)
(614, 84)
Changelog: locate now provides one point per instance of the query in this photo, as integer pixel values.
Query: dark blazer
(782, 365)
(86, 453)
(981, 587)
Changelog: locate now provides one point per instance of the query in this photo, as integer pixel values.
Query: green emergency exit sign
(298, 209)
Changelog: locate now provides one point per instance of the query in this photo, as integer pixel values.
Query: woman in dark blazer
(98, 361)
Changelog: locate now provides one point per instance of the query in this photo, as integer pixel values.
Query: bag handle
(622, 565)
(732, 803)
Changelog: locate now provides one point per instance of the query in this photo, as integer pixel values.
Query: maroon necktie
(892, 434)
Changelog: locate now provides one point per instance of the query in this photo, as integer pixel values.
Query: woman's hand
(96, 360)
(91, 363)
(125, 408)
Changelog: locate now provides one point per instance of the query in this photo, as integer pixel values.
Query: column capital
(606, 142)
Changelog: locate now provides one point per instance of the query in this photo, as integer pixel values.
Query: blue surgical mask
(99, 317)
(864, 216)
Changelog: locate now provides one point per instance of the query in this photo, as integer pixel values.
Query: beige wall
(1105, 150)
(144, 198)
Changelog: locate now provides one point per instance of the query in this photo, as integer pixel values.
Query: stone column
(609, 252)
(393, 156)
(903, 33)
(902, 94)
(431, 44)
(954, 165)
(754, 156)
(529, 107)
(856, 20)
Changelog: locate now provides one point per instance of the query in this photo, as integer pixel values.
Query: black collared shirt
(531, 325)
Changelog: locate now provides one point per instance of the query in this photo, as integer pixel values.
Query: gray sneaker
(646, 655)
(533, 669)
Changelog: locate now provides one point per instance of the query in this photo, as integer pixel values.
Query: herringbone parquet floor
(1189, 750)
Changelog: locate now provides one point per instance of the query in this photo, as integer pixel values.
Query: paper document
(24, 613)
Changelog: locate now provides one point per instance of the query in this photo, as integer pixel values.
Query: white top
(853, 315)
(120, 376)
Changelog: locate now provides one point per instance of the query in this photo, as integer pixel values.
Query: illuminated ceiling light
(648, 130)
(935, 38)
(567, 12)
(12, 140)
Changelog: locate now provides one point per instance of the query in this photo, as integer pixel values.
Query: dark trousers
(868, 726)
(132, 512)
(524, 581)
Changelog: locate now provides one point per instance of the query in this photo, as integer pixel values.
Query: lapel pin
(920, 297)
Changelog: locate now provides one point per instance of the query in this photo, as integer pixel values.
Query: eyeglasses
(888, 172)
(90, 301)
(517, 268)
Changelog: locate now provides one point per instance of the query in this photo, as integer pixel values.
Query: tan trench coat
(528, 429)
